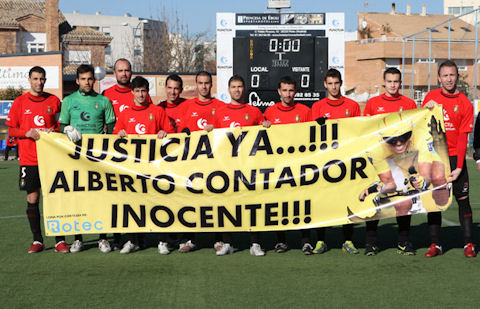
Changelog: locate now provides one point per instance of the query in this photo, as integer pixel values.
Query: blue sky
(200, 15)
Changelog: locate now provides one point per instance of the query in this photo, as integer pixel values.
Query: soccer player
(30, 113)
(121, 94)
(121, 97)
(238, 114)
(11, 143)
(458, 119)
(335, 106)
(88, 112)
(283, 112)
(197, 114)
(173, 104)
(390, 101)
(141, 118)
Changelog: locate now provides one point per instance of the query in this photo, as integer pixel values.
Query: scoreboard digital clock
(262, 61)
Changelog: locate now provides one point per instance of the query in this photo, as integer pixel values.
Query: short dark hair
(448, 63)
(287, 80)
(85, 68)
(203, 73)
(392, 70)
(37, 69)
(236, 78)
(140, 82)
(122, 59)
(175, 78)
(334, 73)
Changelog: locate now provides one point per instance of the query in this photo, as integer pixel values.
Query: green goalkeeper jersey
(89, 113)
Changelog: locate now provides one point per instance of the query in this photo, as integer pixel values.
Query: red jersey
(198, 114)
(33, 112)
(122, 98)
(175, 112)
(279, 114)
(244, 115)
(384, 104)
(11, 141)
(457, 115)
(141, 120)
(335, 109)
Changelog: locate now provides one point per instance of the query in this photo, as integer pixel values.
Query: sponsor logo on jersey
(27, 112)
(140, 128)
(201, 123)
(123, 107)
(85, 116)
(39, 120)
(131, 120)
(445, 116)
(234, 124)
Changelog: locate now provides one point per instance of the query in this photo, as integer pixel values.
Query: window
(35, 47)
(425, 60)
(466, 9)
(106, 30)
(137, 32)
(137, 52)
(454, 10)
(461, 64)
(393, 63)
(108, 50)
(78, 57)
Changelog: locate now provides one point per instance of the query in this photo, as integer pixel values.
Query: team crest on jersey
(400, 109)
(347, 113)
(96, 105)
(213, 111)
(247, 117)
(297, 118)
(455, 109)
(150, 117)
(49, 109)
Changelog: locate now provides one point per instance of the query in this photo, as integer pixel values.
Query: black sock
(321, 233)
(305, 236)
(347, 232)
(371, 227)
(434, 224)
(403, 227)
(465, 217)
(33, 215)
(281, 237)
(79, 237)
(255, 238)
(102, 236)
(59, 239)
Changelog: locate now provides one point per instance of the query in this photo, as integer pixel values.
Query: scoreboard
(263, 61)
(262, 48)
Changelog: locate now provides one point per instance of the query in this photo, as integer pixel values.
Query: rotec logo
(335, 60)
(39, 120)
(55, 227)
(223, 23)
(335, 22)
(224, 60)
(224, 97)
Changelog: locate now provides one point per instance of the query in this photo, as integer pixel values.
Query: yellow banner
(246, 179)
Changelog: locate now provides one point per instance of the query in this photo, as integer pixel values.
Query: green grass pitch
(91, 279)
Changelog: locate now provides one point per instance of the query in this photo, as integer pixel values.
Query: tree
(169, 46)
(10, 93)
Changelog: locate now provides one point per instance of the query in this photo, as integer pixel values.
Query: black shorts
(461, 185)
(29, 179)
